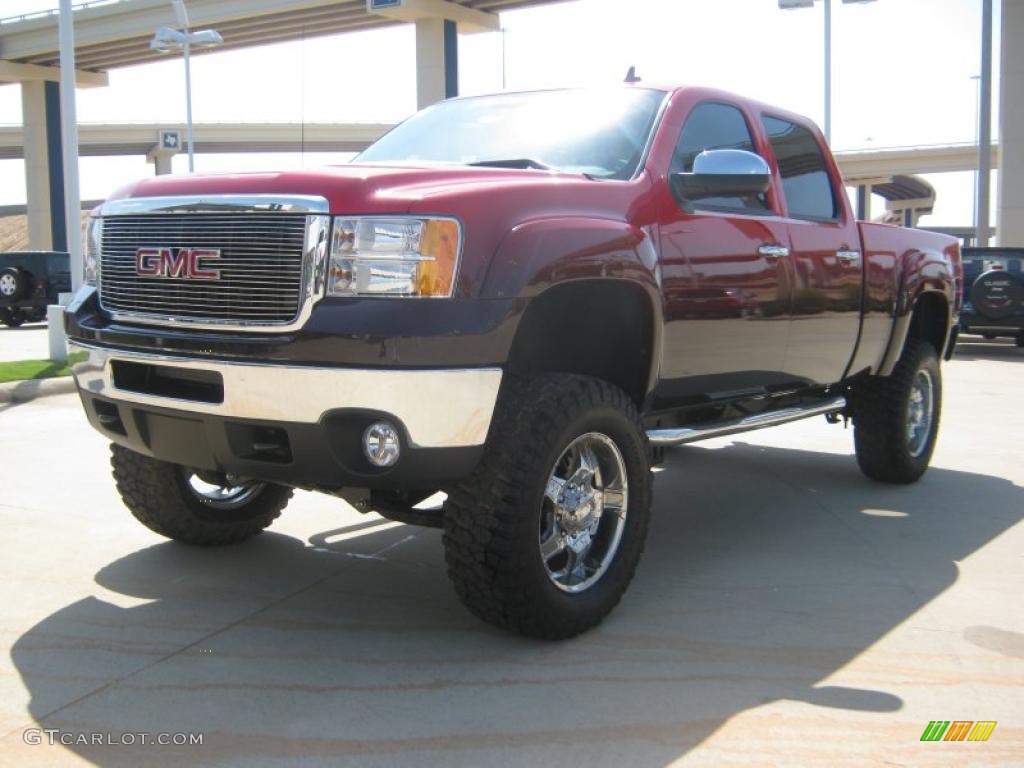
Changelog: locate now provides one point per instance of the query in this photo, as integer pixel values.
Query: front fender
(538, 254)
(542, 253)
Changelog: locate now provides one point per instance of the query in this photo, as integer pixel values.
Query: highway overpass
(890, 173)
(857, 166)
(142, 138)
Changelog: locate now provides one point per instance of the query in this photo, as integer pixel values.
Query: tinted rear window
(805, 180)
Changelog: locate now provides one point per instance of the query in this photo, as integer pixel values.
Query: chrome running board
(665, 438)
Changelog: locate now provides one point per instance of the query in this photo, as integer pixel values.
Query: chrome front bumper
(444, 408)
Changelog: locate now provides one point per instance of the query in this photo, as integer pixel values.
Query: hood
(367, 189)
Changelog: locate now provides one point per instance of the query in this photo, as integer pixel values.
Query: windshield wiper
(515, 162)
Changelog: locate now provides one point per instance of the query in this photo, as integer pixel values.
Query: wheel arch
(601, 327)
(930, 320)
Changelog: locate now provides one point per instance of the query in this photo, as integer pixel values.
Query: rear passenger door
(825, 256)
(724, 275)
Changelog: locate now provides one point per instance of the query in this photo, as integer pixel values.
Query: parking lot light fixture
(168, 40)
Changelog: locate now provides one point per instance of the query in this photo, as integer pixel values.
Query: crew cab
(520, 300)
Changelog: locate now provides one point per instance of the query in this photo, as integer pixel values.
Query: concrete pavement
(29, 342)
(787, 612)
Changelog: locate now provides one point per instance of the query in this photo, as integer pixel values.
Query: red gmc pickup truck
(520, 300)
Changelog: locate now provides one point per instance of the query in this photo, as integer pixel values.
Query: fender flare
(901, 329)
(541, 254)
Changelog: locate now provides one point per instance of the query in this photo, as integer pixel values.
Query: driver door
(725, 271)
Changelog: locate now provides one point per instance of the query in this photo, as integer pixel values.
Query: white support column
(37, 165)
(1010, 219)
(438, 24)
(430, 62)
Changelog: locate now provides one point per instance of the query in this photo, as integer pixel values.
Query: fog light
(380, 444)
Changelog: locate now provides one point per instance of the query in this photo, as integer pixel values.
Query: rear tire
(167, 499)
(896, 417)
(545, 536)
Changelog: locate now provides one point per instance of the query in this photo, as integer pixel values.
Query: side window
(715, 126)
(805, 180)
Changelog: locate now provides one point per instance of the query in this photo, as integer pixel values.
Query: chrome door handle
(848, 257)
(773, 251)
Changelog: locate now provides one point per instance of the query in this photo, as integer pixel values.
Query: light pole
(167, 40)
(977, 143)
(983, 185)
(788, 5)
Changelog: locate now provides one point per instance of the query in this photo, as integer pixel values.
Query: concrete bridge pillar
(438, 24)
(437, 61)
(44, 170)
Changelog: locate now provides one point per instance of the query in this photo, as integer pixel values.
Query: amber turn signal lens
(439, 247)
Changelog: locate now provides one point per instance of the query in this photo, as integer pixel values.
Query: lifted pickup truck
(520, 300)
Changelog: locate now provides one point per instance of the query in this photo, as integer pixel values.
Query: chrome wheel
(222, 497)
(920, 413)
(584, 512)
(8, 285)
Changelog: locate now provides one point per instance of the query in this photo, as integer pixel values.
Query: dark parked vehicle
(520, 300)
(29, 280)
(993, 293)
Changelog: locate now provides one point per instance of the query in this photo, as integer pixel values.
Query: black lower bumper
(323, 456)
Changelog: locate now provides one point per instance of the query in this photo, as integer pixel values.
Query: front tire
(545, 536)
(896, 417)
(178, 503)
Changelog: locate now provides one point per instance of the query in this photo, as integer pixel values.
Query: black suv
(29, 280)
(993, 293)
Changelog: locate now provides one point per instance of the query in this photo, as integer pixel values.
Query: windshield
(598, 133)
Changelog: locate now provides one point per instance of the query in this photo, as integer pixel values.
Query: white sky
(901, 75)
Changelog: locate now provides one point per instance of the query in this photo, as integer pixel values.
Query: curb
(30, 389)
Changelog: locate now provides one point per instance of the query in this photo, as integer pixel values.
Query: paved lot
(787, 612)
(29, 342)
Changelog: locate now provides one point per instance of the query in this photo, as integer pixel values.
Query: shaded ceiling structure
(116, 33)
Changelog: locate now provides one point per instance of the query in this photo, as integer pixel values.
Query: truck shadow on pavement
(767, 571)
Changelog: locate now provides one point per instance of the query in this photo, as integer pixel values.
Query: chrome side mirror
(723, 173)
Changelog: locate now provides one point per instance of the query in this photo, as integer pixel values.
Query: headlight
(91, 260)
(393, 256)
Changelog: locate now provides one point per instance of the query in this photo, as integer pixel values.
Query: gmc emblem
(186, 263)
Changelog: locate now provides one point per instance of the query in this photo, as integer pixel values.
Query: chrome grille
(262, 266)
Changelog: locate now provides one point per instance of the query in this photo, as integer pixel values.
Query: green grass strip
(22, 370)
